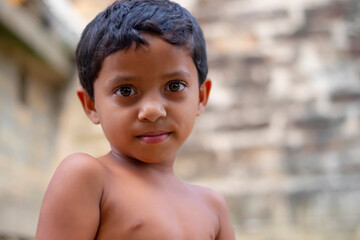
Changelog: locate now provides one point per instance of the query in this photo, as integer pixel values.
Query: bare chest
(138, 212)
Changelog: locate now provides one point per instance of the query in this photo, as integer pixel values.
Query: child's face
(147, 99)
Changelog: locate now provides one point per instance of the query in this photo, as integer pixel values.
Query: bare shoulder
(70, 209)
(78, 173)
(81, 163)
(209, 196)
(218, 204)
(82, 159)
(80, 169)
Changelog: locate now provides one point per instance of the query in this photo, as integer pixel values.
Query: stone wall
(27, 139)
(30, 95)
(281, 137)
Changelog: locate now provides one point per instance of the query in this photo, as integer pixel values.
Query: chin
(155, 158)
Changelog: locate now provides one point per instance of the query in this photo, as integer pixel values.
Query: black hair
(121, 24)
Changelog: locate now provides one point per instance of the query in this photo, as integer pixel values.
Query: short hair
(121, 24)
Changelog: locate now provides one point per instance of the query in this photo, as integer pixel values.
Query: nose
(151, 110)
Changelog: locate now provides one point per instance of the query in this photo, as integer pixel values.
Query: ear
(88, 105)
(204, 92)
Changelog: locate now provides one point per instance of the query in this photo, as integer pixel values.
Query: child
(142, 66)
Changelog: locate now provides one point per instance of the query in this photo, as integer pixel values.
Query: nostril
(152, 114)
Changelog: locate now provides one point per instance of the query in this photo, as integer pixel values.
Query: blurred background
(280, 138)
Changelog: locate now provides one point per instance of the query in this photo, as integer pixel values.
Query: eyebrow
(118, 79)
(176, 74)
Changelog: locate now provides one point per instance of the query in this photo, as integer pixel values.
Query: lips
(154, 137)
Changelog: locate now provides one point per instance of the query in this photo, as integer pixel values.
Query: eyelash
(119, 89)
(182, 86)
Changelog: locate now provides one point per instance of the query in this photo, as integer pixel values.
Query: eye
(175, 86)
(125, 91)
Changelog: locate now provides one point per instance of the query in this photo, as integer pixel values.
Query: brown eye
(125, 91)
(175, 87)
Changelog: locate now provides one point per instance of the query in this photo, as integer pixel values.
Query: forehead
(157, 58)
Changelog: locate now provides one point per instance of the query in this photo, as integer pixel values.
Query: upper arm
(226, 231)
(70, 208)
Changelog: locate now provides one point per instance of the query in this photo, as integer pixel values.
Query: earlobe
(204, 92)
(88, 105)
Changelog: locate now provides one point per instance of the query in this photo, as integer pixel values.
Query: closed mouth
(154, 137)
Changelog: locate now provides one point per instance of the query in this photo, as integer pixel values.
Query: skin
(146, 100)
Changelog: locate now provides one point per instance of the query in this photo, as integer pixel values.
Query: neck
(164, 167)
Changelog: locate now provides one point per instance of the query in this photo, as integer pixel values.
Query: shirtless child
(143, 70)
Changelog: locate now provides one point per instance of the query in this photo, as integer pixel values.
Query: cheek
(114, 122)
(187, 114)
(191, 106)
(110, 129)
